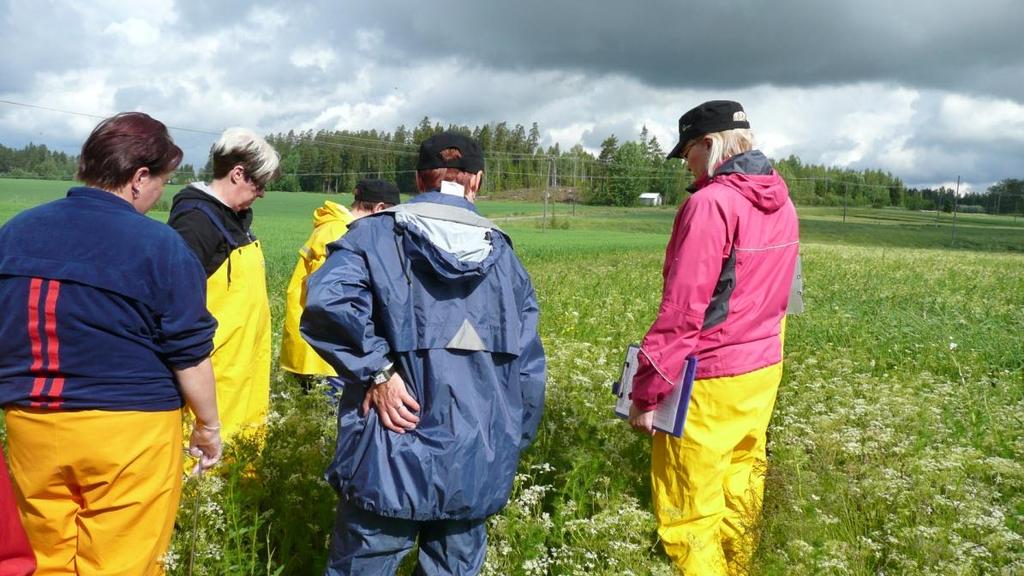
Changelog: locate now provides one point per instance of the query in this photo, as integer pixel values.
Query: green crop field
(896, 447)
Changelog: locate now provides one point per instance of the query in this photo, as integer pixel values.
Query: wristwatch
(383, 375)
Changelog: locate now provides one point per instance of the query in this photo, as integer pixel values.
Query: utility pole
(554, 178)
(956, 194)
(846, 193)
(494, 179)
(583, 179)
(547, 193)
(487, 172)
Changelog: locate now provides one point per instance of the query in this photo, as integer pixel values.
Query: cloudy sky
(925, 92)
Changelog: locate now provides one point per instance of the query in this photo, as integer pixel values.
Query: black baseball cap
(713, 116)
(374, 191)
(430, 153)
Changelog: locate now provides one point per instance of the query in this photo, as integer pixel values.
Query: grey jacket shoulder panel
(796, 291)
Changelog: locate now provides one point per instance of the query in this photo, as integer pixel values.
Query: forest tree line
(517, 165)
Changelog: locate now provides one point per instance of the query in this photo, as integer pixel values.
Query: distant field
(897, 444)
(286, 216)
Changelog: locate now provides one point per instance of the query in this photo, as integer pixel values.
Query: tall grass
(896, 446)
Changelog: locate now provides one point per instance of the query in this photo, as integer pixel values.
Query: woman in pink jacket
(729, 267)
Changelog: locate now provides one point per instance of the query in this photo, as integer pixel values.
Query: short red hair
(122, 144)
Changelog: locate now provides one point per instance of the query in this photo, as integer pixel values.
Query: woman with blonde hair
(729, 268)
(215, 220)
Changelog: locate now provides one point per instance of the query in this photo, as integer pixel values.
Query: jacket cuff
(649, 384)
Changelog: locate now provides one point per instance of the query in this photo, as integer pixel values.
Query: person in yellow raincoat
(215, 220)
(730, 268)
(330, 222)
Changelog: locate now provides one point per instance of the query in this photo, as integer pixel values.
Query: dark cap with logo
(430, 153)
(709, 117)
(374, 191)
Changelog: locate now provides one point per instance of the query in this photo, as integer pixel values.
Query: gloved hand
(205, 444)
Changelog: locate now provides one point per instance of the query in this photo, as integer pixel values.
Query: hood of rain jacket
(330, 222)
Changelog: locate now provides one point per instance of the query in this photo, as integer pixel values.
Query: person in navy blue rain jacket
(428, 306)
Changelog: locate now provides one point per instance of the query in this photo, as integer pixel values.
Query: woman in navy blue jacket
(104, 336)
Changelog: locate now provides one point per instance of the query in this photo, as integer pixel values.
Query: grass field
(896, 447)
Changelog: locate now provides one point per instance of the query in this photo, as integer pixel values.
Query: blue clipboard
(670, 414)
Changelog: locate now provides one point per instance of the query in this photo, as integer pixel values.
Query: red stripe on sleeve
(33, 324)
(52, 345)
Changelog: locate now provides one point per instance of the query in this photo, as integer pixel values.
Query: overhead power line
(97, 116)
(331, 140)
(328, 140)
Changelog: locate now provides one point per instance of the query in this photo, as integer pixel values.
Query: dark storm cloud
(861, 84)
(964, 46)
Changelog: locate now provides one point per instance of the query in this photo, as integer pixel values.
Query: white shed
(650, 199)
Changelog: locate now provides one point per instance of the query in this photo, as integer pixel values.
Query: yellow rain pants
(236, 295)
(708, 486)
(97, 490)
(330, 222)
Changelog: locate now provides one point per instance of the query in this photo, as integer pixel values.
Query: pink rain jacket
(16, 556)
(728, 271)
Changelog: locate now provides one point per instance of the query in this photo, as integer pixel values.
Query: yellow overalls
(236, 295)
(708, 486)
